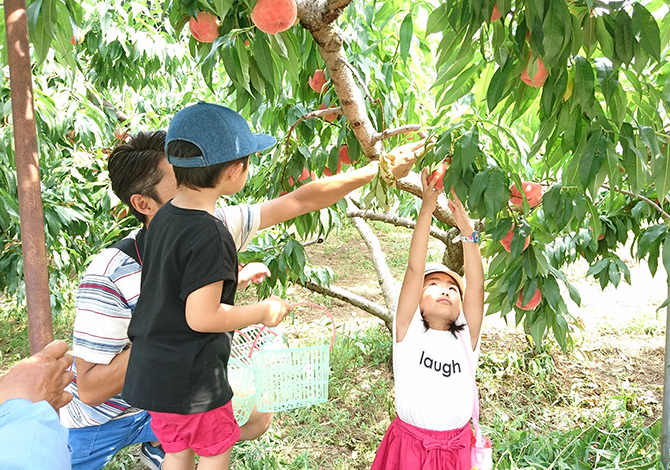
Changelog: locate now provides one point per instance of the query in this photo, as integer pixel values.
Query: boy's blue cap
(221, 134)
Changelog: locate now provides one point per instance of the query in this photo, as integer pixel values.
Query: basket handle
(332, 321)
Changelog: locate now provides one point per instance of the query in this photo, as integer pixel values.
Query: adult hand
(460, 216)
(402, 158)
(278, 308)
(252, 273)
(42, 376)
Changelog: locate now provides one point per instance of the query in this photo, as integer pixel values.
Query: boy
(182, 324)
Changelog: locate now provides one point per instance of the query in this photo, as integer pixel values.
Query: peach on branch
(439, 175)
(274, 16)
(77, 37)
(533, 192)
(506, 242)
(317, 81)
(343, 155)
(306, 174)
(205, 27)
(532, 303)
(540, 76)
(495, 14)
(327, 171)
(330, 117)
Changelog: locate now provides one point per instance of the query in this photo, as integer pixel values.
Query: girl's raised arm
(410, 293)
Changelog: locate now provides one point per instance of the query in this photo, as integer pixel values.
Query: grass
(596, 406)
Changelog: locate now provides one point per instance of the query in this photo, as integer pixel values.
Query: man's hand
(42, 376)
(252, 273)
(402, 158)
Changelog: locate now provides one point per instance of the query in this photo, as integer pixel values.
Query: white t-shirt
(433, 381)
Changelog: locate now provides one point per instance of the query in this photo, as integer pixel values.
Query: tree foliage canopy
(571, 94)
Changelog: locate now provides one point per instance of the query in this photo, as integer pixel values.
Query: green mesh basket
(241, 380)
(292, 377)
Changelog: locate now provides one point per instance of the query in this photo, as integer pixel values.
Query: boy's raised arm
(412, 284)
(327, 191)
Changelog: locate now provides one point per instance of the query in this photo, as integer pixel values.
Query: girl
(437, 323)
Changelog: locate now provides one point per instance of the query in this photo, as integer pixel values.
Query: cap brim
(263, 142)
(438, 268)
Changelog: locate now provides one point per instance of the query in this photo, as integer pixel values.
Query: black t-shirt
(173, 368)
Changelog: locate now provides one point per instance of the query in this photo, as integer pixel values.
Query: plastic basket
(241, 380)
(292, 377)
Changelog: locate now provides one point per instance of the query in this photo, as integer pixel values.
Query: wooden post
(40, 327)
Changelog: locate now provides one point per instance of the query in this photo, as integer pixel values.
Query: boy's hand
(460, 216)
(277, 309)
(252, 273)
(430, 192)
(403, 157)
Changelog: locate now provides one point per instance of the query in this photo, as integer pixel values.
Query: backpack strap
(133, 247)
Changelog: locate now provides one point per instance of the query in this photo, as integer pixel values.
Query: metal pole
(665, 424)
(40, 327)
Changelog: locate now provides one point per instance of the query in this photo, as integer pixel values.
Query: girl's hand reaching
(430, 192)
(460, 216)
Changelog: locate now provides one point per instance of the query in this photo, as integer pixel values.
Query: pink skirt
(407, 447)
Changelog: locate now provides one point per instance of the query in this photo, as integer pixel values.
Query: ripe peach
(274, 16)
(343, 155)
(507, 241)
(328, 117)
(532, 303)
(317, 81)
(540, 76)
(77, 37)
(439, 174)
(204, 28)
(533, 193)
(306, 174)
(495, 14)
(327, 171)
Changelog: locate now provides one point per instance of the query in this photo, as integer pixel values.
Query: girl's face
(440, 301)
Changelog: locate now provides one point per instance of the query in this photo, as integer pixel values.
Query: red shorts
(407, 447)
(208, 434)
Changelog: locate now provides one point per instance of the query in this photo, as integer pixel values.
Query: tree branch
(664, 214)
(352, 299)
(318, 17)
(399, 222)
(313, 114)
(384, 277)
(412, 184)
(388, 133)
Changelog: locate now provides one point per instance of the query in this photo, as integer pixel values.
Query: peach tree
(565, 97)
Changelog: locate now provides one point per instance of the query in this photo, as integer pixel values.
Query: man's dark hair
(202, 176)
(133, 168)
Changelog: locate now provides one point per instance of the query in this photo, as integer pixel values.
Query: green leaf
(592, 158)
(666, 256)
(584, 83)
(406, 33)
(438, 19)
(646, 29)
(554, 29)
(607, 78)
(497, 194)
(469, 145)
(624, 41)
(497, 86)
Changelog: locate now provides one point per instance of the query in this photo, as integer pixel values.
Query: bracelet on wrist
(476, 237)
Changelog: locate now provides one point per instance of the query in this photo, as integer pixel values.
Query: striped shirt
(104, 304)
